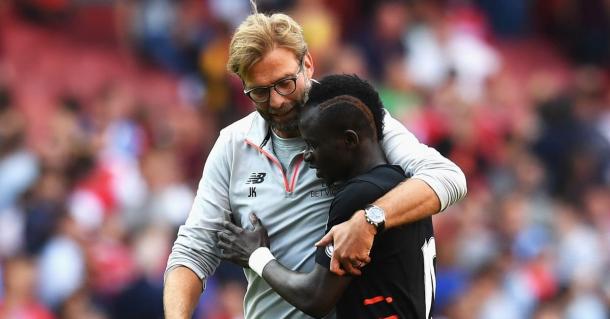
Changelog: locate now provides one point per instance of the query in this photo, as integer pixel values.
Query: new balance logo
(256, 178)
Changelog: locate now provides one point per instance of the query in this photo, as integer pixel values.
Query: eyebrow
(286, 76)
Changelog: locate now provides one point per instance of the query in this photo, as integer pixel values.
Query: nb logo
(256, 178)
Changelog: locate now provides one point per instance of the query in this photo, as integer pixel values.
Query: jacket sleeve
(195, 246)
(423, 162)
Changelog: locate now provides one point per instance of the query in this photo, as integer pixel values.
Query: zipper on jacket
(289, 186)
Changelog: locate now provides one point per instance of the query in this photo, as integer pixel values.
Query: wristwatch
(375, 216)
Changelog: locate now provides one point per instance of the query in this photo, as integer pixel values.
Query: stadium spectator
(20, 298)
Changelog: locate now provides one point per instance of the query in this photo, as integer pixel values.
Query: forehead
(310, 124)
(274, 65)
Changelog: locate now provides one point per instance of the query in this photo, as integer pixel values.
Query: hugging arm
(314, 293)
(435, 183)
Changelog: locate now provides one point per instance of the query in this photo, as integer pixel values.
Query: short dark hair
(337, 85)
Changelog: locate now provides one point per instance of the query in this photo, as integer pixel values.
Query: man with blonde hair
(257, 166)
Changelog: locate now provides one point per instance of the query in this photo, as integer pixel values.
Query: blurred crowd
(108, 109)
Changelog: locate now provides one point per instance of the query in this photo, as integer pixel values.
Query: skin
(353, 239)
(408, 202)
(282, 112)
(319, 155)
(318, 291)
(181, 293)
(314, 293)
(332, 155)
(182, 286)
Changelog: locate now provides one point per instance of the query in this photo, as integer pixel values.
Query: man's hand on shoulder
(352, 242)
(237, 244)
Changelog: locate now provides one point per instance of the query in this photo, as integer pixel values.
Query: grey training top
(242, 175)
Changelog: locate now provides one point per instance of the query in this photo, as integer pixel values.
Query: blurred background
(108, 110)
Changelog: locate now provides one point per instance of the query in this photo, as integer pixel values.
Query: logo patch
(256, 178)
(323, 192)
(329, 250)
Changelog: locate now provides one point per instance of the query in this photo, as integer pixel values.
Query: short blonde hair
(258, 35)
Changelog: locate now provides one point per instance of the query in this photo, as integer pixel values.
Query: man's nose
(276, 100)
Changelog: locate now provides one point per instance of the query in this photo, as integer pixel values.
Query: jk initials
(252, 192)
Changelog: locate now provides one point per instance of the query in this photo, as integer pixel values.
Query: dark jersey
(399, 281)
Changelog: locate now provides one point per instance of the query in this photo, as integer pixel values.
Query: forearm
(424, 163)
(181, 293)
(314, 293)
(410, 201)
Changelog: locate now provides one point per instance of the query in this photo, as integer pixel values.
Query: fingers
(228, 251)
(352, 266)
(359, 259)
(232, 227)
(327, 239)
(225, 250)
(335, 267)
(225, 239)
(223, 245)
(348, 266)
(355, 264)
(223, 235)
(254, 220)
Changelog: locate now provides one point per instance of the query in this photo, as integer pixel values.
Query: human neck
(287, 133)
(370, 155)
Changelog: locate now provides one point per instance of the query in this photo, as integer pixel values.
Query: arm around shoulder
(424, 163)
(435, 183)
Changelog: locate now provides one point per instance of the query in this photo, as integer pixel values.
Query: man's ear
(351, 138)
(308, 64)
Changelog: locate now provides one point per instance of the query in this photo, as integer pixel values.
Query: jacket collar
(259, 132)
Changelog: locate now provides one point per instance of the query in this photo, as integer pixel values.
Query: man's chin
(289, 128)
(327, 180)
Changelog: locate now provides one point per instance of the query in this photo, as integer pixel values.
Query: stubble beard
(288, 127)
(293, 125)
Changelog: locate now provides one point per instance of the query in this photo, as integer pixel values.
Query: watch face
(375, 214)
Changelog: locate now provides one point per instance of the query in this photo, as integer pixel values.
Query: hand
(237, 244)
(352, 242)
